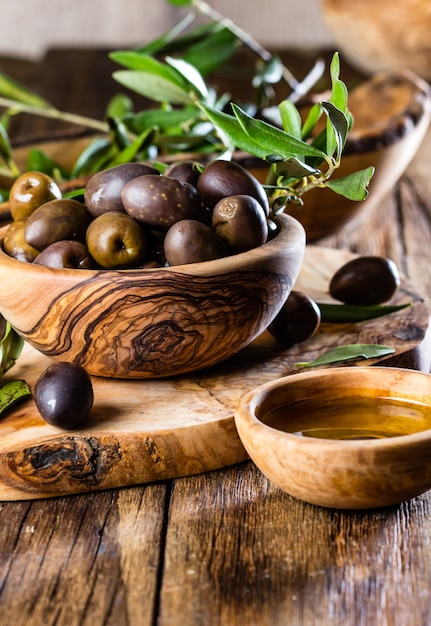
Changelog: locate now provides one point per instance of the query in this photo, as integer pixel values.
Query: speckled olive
(241, 222)
(29, 191)
(226, 178)
(69, 253)
(160, 201)
(298, 319)
(190, 241)
(365, 280)
(185, 171)
(15, 244)
(103, 190)
(64, 395)
(116, 240)
(55, 221)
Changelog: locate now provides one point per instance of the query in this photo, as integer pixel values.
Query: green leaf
(130, 152)
(290, 119)
(351, 314)
(190, 74)
(157, 87)
(294, 168)
(313, 117)
(211, 51)
(162, 118)
(13, 90)
(337, 130)
(11, 348)
(12, 392)
(39, 161)
(348, 353)
(93, 157)
(354, 186)
(119, 106)
(180, 3)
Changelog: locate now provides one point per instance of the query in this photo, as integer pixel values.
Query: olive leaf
(12, 392)
(354, 186)
(13, 90)
(191, 75)
(11, 347)
(350, 314)
(348, 353)
(290, 118)
(39, 161)
(93, 157)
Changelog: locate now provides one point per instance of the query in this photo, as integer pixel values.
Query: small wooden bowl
(342, 473)
(153, 322)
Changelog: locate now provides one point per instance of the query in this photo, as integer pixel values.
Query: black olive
(64, 395)
(365, 280)
(298, 319)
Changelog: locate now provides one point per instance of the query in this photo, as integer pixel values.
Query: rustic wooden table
(226, 547)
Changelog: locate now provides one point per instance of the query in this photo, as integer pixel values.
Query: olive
(103, 189)
(69, 253)
(241, 222)
(116, 240)
(15, 244)
(298, 319)
(185, 171)
(226, 178)
(64, 395)
(365, 280)
(29, 191)
(190, 241)
(55, 221)
(160, 201)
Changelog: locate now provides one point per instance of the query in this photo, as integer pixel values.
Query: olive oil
(352, 417)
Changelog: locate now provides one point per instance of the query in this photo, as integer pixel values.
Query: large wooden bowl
(153, 322)
(351, 474)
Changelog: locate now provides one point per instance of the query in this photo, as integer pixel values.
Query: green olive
(30, 191)
(103, 189)
(190, 241)
(69, 253)
(241, 222)
(15, 244)
(116, 240)
(226, 178)
(160, 201)
(57, 220)
(365, 280)
(298, 319)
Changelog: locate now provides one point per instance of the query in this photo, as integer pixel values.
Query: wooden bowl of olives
(350, 438)
(162, 288)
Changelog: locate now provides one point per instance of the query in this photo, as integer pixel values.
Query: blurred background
(29, 27)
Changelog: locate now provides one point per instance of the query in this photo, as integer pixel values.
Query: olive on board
(103, 189)
(241, 222)
(191, 241)
(365, 280)
(297, 321)
(29, 191)
(55, 221)
(185, 171)
(68, 254)
(160, 201)
(226, 178)
(116, 240)
(15, 244)
(64, 395)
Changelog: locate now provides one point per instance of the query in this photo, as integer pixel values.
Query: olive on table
(226, 178)
(160, 201)
(297, 321)
(15, 244)
(64, 395)
(55, 221)
(116, 240)
(241, 222)
(29, 191)
(103, 189)
(365, 280)
(190, 241)
(66, 254)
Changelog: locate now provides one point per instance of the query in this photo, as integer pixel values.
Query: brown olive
(185, 171)
(298, 319)
(190, 241)
(55, 221)
(29, 191)
(103, 190)
(241, 222)
(365, 280)
(69, 253)
(15, 244)
(226, 178)
(160, 201)
(116, 240)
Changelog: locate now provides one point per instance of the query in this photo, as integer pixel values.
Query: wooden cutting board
(145, 431)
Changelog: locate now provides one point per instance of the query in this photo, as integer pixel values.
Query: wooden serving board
(145, 431)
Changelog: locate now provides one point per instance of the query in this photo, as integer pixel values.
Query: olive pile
(132, 216)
